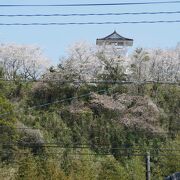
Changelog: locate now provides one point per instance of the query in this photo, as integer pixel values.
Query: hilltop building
(115, 39)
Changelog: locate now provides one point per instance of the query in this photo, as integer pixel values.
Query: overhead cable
(92, 81)
(137, 131)
(90, 4)
(89, 23)
(55, 102)
(53, 145)
(98, 154)
(90, 14)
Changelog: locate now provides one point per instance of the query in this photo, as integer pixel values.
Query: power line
(129, 131)
(89, 4)
(55, 102)
(54, 145)
(93, 81)
(96, 154)
(78, 154)
(97, 131)
(88, 23)
(82, 146)
(59, 101)
(89, 14)
(63, 100)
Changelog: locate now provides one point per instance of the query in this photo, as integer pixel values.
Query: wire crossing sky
(86, 23)
(89, 4)
(90, 14)
(151, 23)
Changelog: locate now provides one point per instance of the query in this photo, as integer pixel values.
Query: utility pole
(148, 166)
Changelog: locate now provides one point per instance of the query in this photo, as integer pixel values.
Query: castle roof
(115, 39)
(115, 36)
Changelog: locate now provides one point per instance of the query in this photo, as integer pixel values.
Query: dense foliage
(105, 134)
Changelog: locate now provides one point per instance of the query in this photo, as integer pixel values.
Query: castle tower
(116, 40)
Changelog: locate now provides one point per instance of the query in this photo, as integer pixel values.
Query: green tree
(139, 58)
(8, 133)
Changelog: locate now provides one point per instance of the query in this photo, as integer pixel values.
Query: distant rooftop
(115, 39)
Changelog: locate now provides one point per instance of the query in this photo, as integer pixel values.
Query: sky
(55, 40)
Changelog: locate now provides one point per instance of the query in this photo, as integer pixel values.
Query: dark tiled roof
(115, 36)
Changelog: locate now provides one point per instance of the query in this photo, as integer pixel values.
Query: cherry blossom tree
(139, 65)
(86, 62)
(155, 65)
(164, 65)
(22, 61)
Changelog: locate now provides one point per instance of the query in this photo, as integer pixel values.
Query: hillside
(65, 125)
